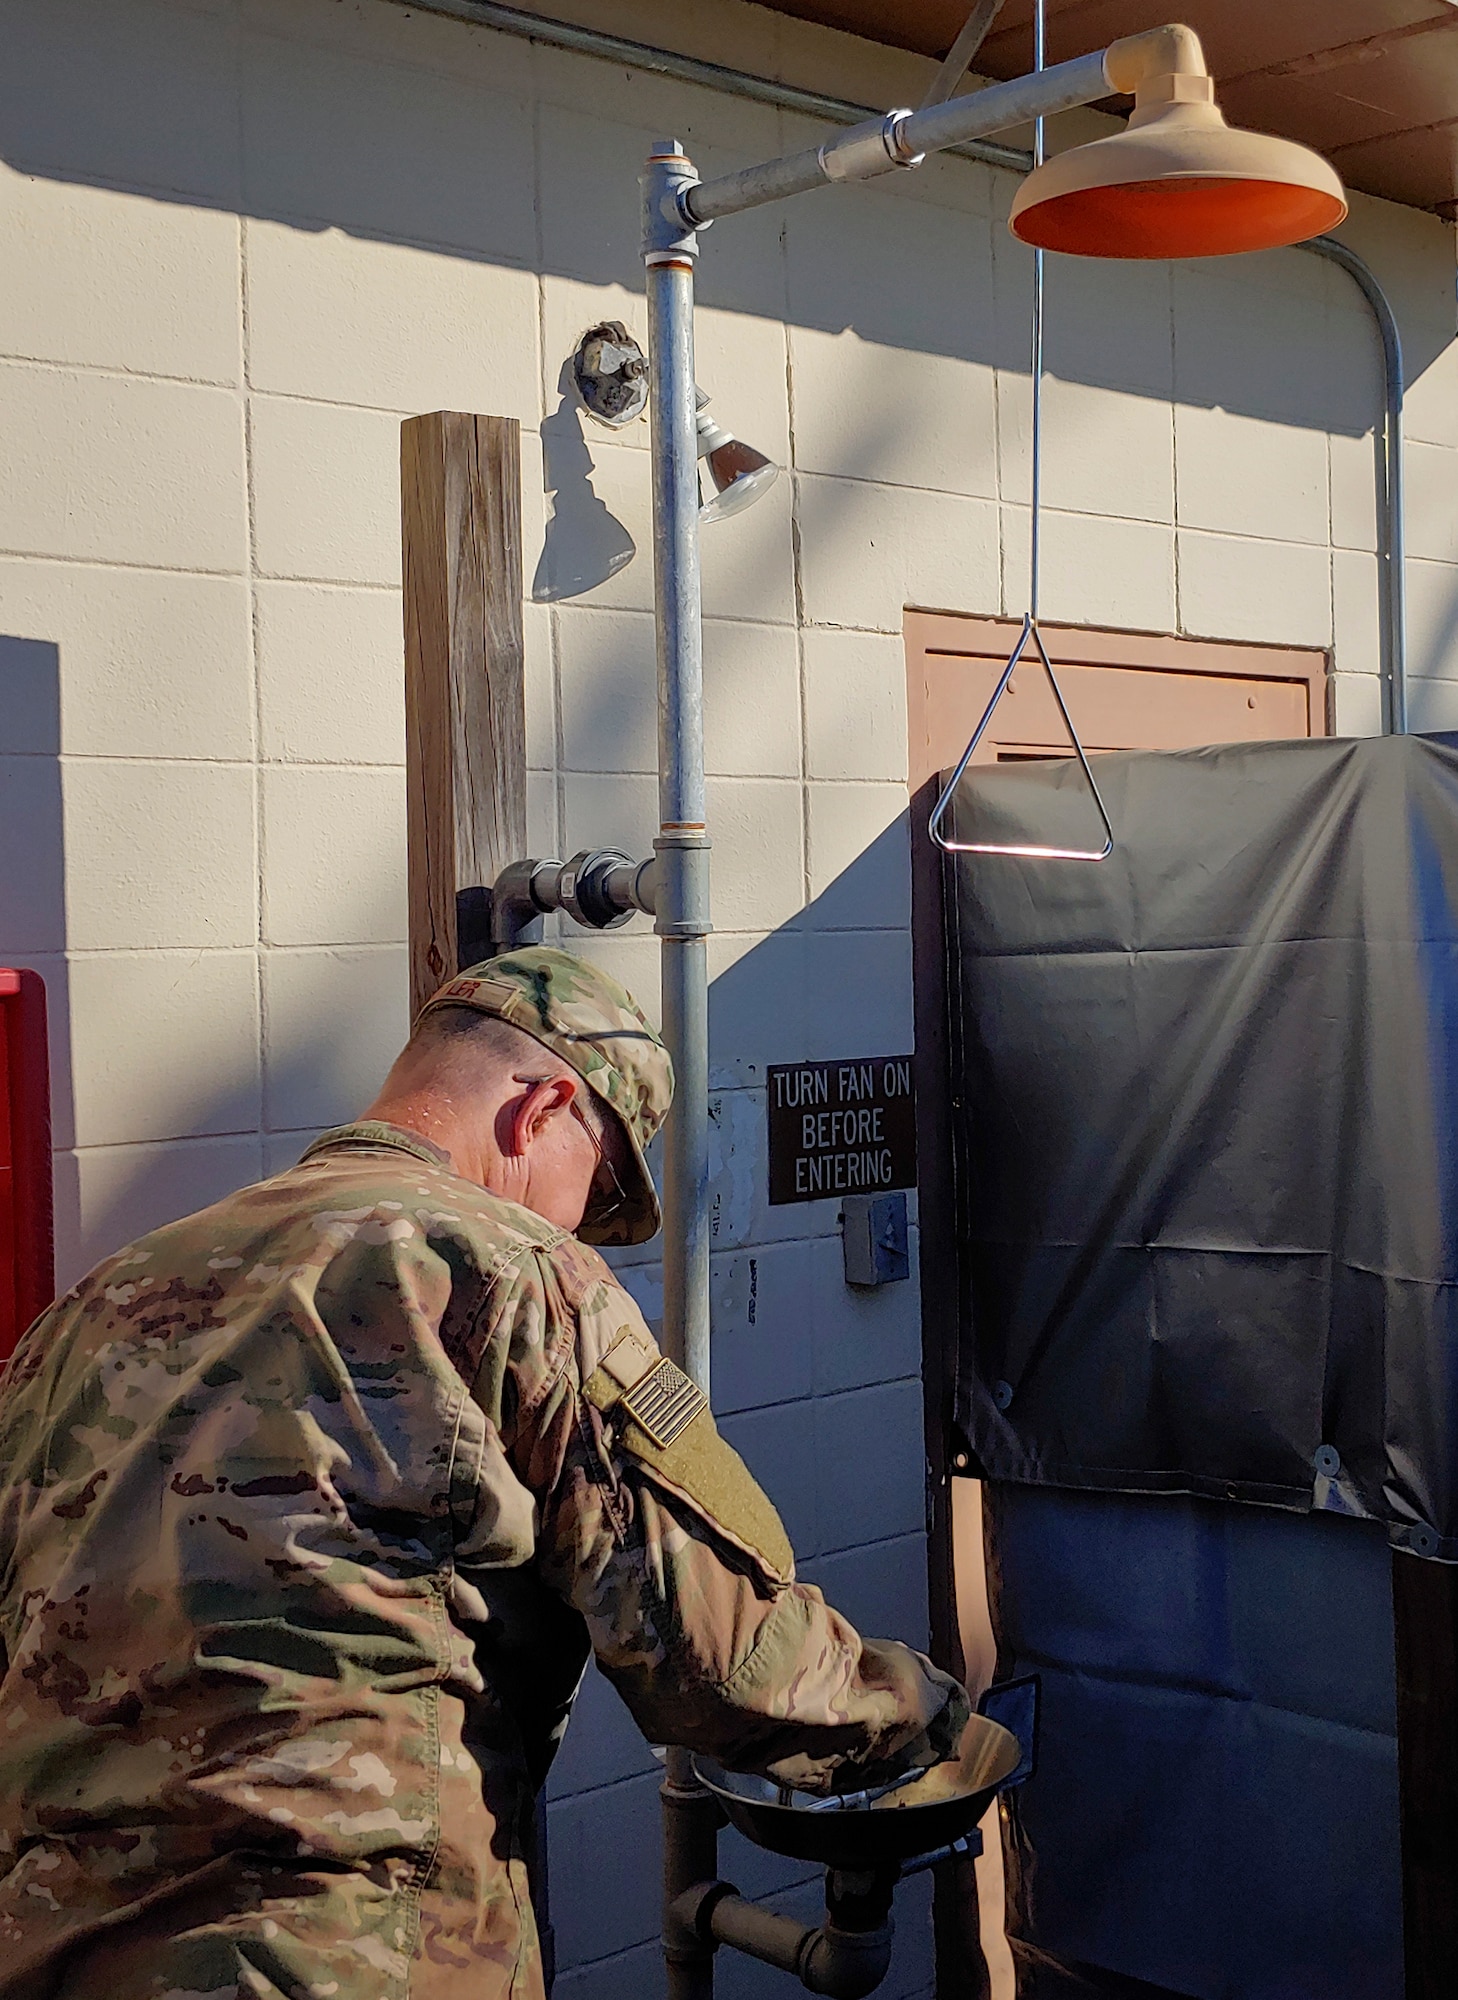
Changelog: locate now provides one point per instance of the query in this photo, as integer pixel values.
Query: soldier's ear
(542, 1100)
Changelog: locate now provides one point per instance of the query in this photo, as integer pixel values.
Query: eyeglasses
(612, 1197)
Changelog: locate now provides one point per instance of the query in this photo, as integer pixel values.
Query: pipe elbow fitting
(1135, 61)
(845, 1965)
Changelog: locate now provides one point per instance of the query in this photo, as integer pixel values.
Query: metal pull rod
(1030, 622)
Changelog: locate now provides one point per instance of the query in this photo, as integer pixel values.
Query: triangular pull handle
(939, 811)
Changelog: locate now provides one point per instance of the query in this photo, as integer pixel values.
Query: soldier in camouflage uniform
(312, 1507)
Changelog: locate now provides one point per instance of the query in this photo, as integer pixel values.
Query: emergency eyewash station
(1177, 183)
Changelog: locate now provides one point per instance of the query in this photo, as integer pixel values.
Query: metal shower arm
(901, 139)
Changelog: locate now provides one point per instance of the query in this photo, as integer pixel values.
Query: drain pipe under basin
(846, 1958)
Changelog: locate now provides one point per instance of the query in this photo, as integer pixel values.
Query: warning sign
(841, 1128)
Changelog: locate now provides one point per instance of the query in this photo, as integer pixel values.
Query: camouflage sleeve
(653, 1528)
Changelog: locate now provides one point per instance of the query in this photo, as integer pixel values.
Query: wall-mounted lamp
(739, 473)
(610, 371)
(1177, 181)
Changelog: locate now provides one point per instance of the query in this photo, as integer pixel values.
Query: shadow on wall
(412, 130)
(155, 1118)
(834, 980)
(585, 543)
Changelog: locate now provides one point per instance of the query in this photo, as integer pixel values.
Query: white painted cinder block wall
(240, 240)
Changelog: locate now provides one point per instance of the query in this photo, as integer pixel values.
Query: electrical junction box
(874, 1238)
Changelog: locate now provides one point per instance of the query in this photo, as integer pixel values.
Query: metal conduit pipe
(1392, 571)
(516, 21)
(685, 69)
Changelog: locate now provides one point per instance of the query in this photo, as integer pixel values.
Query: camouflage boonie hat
(591, 1022)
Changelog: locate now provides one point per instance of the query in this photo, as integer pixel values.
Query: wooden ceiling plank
(1373, 81)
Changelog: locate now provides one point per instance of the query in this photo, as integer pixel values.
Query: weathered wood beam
(465, 695)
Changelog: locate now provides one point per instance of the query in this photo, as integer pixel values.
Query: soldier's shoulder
(577, 1267)
(334, 1180)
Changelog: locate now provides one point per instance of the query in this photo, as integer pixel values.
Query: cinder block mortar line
(341, 583)
(370, 233)
(44, 364)
(612, 1957)
(260, 995)
(715, 777)
(159, 950)
(821, 1397)
(177, 1139)
(612, 1785)
(906, 1536)
(1175, 527)
(552, 929)
(148, 569)
(796, 927)
(528, 428)
(321, 764)
(797, 564)
(48, 170)
(131, 757)
(260, 762)
(579, 607)
(818, 1397)
(314, 582)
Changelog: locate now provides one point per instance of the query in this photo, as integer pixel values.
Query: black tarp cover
(1208, 1156)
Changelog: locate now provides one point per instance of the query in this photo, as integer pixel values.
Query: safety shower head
(1177, 181)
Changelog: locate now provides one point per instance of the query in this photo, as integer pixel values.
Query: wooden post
(465, 697)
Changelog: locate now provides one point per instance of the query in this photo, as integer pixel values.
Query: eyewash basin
(886, 1828)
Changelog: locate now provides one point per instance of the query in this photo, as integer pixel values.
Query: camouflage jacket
(311, 1507)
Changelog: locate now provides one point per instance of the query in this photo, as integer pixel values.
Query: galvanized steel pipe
(900, 139)
(681, 919)
(682, 846)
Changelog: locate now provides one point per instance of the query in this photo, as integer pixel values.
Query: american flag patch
(664, 1403)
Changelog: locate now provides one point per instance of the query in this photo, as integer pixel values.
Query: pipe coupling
(599, 888)
(595, 888)
(682, 883)
(874, 147)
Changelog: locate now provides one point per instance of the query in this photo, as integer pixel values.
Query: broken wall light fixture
(610, 371)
